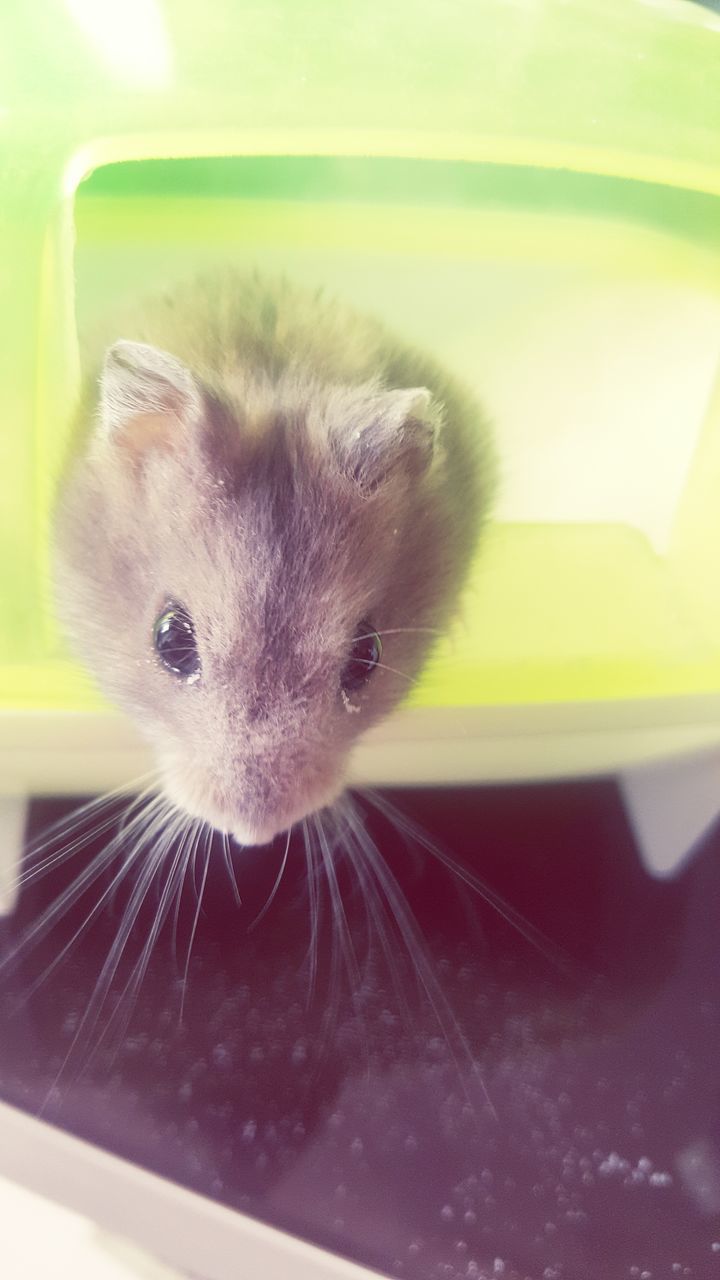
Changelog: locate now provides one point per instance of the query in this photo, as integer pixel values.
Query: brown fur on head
(288, 495)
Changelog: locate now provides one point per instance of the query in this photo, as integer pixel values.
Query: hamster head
(253, 573)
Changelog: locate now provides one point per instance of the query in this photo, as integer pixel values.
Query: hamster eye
(365, 654)
(174, 641)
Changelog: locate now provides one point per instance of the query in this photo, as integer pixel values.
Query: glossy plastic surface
(532, 189)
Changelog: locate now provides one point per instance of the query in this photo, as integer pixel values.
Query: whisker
(331, 1003)
(401, 631)
(188, 836)
(63, 855)
(314, 909)
(97, 803)
(100, 992)
(383, 666)
(193, 862)
(57, 909)
(95, 910)
(532, 935)
(275, 887)
(340, 919)
(85, 836)
(130, 915)
(58, 858)
(128, 997)
(376, 910)
(227, 857)
(416, 949)
(208, 850)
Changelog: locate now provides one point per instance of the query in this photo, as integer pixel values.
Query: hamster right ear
(145, 396)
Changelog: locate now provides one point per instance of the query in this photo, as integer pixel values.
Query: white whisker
(527, 930)
(84, 837)
(376, 910)
(401, 631)
(314, 909)
(69, 896)
(276, 886)
(189, 836)
(415, 946)
(97, 804)
(227, 857)
(341, 928)
(332, 996)
(128, 997)
(383, 666)
(95, 910)
(208, 851)
(102, 987)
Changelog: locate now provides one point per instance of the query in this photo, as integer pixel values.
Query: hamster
(270, 510)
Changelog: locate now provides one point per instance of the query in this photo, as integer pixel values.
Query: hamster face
(254, 575)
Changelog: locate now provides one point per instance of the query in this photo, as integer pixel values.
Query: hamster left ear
(145, 394)
(398, 435)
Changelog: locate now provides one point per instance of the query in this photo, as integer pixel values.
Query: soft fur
(284, 468)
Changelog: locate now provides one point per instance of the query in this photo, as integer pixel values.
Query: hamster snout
(256, 805)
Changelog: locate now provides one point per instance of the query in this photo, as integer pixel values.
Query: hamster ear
(144, 395)
(397, 436)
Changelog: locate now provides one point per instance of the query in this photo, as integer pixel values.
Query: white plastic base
(13, 816)
(190, 1233)
(671, 805)
(40, 1238)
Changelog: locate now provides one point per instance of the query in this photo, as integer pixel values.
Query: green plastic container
(531, 188)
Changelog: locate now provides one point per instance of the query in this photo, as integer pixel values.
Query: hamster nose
(271, 820)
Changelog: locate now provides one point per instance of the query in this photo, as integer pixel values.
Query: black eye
(174, 641)
(365, 654)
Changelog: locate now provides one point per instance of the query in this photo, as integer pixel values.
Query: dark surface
(514, 1115)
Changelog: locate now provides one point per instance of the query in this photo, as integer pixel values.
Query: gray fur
(302, 471)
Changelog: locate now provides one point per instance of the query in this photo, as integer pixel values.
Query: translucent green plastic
(530, 189)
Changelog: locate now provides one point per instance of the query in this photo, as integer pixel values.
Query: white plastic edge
(66, 753)
(671, 805)
(13, 817)
(182, 1228)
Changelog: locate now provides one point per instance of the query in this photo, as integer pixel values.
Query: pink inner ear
(147, 433)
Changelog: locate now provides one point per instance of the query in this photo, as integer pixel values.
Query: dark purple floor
(526, 1119)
